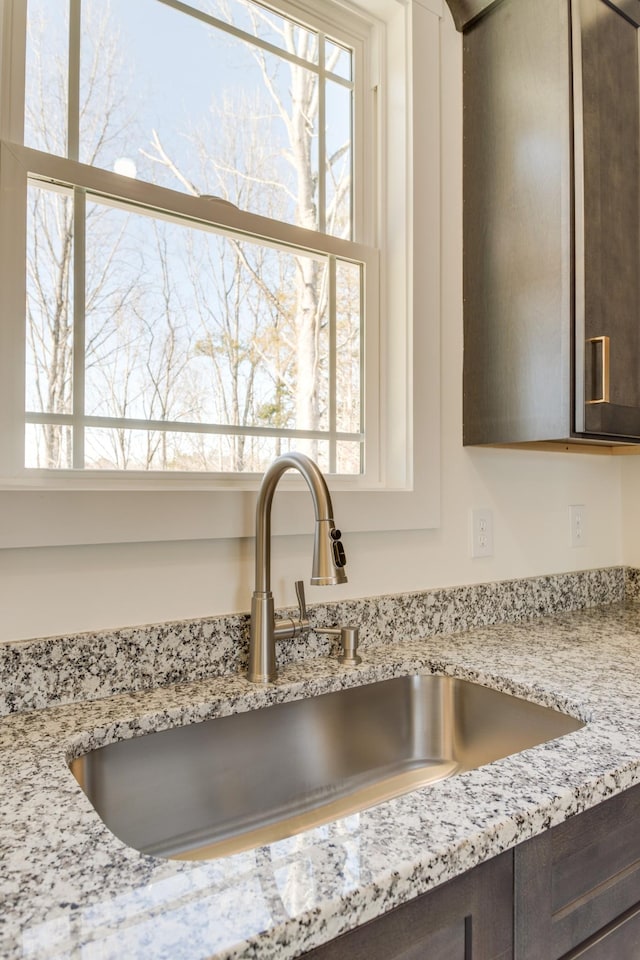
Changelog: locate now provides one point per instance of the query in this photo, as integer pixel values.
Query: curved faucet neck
(321, 503)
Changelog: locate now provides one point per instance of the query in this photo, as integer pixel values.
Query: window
(196, 197)
(145, 229)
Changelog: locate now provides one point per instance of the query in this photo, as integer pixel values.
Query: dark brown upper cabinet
(551, 220)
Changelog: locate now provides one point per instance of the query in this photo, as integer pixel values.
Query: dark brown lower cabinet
(577, 886)
(469, 918)
(573, 893)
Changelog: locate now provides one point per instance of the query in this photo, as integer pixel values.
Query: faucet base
(262, 652)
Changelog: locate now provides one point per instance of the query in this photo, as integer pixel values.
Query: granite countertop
(67, 883)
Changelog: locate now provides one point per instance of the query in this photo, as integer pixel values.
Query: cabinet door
(607, 216)
(469, 918)
(517, 186)
(577, 886)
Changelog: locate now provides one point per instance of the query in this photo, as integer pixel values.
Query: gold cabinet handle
(606, 369)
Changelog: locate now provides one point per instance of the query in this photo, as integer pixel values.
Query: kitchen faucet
(328, 565)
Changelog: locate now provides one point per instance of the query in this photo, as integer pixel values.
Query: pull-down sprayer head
(328, 554)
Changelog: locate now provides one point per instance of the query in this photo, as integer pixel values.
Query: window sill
(39, 518)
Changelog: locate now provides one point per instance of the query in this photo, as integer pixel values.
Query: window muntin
(62, 426)
(172, 451)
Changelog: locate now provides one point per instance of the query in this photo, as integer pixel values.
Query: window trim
(115, 510)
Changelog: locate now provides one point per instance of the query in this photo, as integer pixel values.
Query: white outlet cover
(481, 527)
(578, 525)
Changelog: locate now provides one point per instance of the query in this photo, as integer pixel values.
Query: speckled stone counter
(69, 888)
(44, 672)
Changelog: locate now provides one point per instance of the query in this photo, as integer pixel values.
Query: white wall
(46, 591)
(631, 510)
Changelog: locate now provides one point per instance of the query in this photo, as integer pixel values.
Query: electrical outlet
(481, 532)
(578, 524)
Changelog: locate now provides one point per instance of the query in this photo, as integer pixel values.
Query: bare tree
(299, 118)
(237, 169)
(51, 252)
(241, 290)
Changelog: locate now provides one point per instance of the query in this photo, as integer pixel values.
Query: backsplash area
(40, 673)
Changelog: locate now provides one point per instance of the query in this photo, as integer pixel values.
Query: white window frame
(87, 183)
(404, 493)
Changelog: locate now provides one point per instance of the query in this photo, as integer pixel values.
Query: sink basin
(231, 783)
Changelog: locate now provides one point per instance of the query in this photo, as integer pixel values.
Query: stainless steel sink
(235, 782)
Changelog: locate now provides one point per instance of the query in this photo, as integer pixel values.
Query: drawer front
(621, 941)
